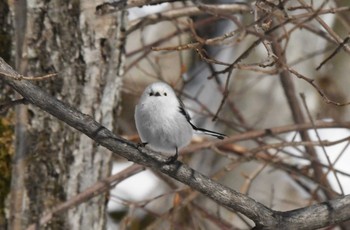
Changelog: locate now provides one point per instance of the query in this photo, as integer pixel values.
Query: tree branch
(314, 216)
(108, 7)
(298, 117)
(94, 190)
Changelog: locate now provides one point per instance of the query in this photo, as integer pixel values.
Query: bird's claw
(142, 144)
(172, 159)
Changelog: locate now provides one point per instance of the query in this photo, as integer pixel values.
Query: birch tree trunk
(57, 162)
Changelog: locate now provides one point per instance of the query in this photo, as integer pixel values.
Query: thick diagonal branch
(333, 211)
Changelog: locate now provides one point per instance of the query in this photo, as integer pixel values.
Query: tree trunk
(6, 130)
(55, 162)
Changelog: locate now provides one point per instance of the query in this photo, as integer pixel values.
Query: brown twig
(217, 220)
(339, 47)
(94, 190)
(109, 7)
(224, 95)
(331, 32)
(319, 139)
(298, 143)
(318, 89)
(5, 106)
(20, 77)
(265, 133)
(298, 117)
(250, 178)
(186, 12)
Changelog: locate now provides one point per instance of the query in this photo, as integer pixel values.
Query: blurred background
(271, 75)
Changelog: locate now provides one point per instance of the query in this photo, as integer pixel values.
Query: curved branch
(94, 190)
(318, 215)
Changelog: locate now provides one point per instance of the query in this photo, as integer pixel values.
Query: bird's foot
(142, 144)
(172, 159)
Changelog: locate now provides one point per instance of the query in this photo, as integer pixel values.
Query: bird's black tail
(208, 132)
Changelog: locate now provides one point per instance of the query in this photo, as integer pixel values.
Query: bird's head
(159, 91)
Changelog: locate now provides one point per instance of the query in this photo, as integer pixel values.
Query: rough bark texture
(6, 127)
(5, 31)
(87, 52)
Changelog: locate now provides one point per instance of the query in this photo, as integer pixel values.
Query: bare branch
(5, 106)
(331, 32)
(318, 89)
(109, 7)
(95, 190)
(298, 116)
(186, 12)
(21, 77)
(265, 132)
(330, 212)
(334, 52)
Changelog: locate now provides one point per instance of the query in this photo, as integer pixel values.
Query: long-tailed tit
(162, 121)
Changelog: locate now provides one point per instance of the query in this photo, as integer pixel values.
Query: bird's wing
(188, 118)
(183, 110)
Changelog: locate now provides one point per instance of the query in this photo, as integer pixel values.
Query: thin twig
(94, 190)
(318, 89)
(322, 146)
(5, 106)
(264, 133)
(339, 47)
(185, 12)
(22, 77)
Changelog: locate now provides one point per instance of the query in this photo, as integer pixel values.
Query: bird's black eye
(151, 94)
(165, 94)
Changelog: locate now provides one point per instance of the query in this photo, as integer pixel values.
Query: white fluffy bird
(162, 121)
